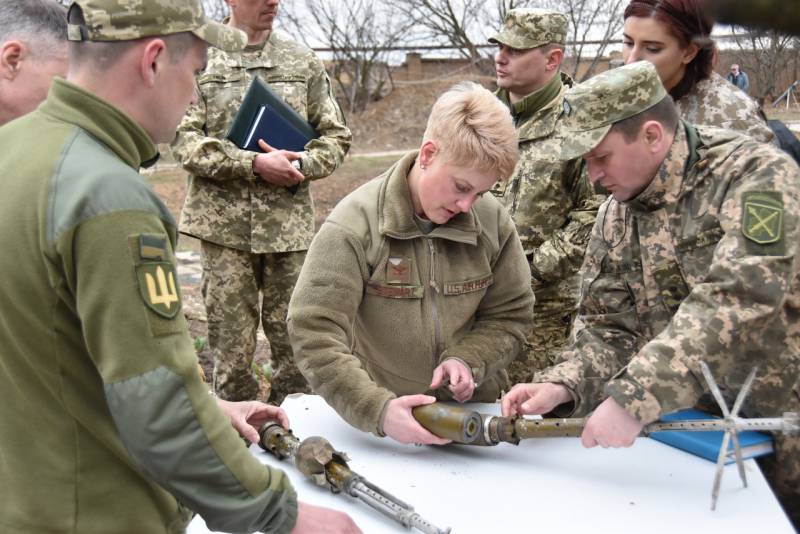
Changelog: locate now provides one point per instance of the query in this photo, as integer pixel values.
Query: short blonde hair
(472, 128)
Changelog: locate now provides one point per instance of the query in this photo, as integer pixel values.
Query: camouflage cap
(529, 28)
(592, 108)
(125, 20)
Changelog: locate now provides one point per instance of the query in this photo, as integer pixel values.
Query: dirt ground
(397, 122)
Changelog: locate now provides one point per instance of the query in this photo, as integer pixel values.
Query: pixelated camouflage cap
(592, 107)
(124, 20)
(529, 28)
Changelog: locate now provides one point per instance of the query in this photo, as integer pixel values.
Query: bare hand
(462, 384)
(316, 519)
(275, 166)
(400, 425)
(248, 416)
(534, 399)
(611, 426)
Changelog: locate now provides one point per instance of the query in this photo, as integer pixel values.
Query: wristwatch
(298, 164)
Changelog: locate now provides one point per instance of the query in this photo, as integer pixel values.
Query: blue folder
(265, 115)
(707, 444)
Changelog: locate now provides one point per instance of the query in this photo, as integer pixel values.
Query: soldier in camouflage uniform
(254, 225)
(550, 200)
(693, 258)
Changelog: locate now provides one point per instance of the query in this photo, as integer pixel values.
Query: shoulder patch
(762, 216)
(158, 289)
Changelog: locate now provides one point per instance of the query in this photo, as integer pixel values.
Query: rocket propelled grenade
(469, 427)
(316, 458)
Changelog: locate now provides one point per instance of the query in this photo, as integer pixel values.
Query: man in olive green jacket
(416, 281)
(106, 424)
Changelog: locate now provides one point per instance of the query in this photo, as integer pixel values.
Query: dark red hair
(688, 23)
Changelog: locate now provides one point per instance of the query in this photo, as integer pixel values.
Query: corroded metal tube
(450, 422)
(316, 458)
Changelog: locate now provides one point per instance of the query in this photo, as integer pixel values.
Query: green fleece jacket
(105, 424)
(379, 304)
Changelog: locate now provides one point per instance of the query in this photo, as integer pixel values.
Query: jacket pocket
(293, 90)
(223, 94)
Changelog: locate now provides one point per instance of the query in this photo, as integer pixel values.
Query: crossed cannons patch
(762, 220)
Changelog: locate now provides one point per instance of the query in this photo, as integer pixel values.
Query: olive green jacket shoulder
(379, 303)
(106, 425)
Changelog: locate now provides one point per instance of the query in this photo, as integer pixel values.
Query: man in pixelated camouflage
(693, 258)
(253, 211)
(550, 199)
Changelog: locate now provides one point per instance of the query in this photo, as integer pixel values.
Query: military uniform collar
(120, 133)
(667, 184)
(534, 119)
(396, 210)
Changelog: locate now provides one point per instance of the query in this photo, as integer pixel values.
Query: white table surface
(542, 485)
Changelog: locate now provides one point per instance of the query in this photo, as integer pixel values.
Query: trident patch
(762, 220)
(157, 286)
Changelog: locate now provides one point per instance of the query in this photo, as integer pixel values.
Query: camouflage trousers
(549, 337)
(240, 290)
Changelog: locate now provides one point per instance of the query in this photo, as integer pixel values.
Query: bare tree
(359, 34)
(449, 22)
(764, 54)
(215, 9)
(466, 25)
(593, 24)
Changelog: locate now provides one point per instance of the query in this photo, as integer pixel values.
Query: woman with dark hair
(674, 35)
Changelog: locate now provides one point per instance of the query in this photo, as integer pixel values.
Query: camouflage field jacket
(552, 204)
(702, 265)
(716, 102)
(226, 203)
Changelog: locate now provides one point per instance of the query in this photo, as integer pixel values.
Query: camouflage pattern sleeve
(504, 316)
(325, 154)
(606, 329)
(209, 157)
(716, 102)
(561, 255)
(734, 319)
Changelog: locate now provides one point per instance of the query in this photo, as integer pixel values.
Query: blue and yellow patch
(157, 277)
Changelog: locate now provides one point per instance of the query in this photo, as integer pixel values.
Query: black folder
(265, 115)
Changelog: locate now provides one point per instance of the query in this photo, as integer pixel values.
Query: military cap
(125, 20)
(594, 106)
(529, 28)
